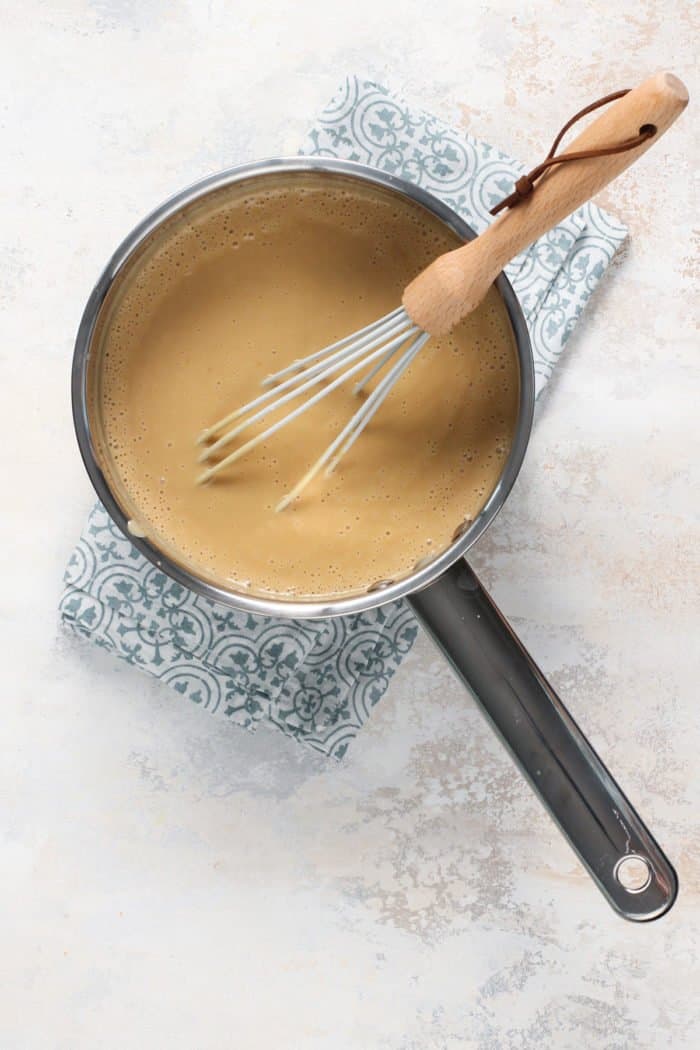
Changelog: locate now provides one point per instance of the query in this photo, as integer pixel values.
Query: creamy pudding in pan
(245, 281)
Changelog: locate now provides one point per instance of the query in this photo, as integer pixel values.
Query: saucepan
(555, 757)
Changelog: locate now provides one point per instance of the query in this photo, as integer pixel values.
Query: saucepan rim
(296, 608)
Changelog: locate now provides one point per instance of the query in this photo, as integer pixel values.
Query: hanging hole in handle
(648, 129)
(633, 873)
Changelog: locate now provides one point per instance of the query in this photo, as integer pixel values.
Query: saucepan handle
(608, 835)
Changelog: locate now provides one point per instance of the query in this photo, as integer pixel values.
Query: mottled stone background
(171, 882)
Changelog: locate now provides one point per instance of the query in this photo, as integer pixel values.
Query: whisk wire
(359, 387)
(369, 329)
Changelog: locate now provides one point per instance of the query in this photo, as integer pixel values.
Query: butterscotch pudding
(242, 283)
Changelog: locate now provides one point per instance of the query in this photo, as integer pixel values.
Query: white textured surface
(168, 882)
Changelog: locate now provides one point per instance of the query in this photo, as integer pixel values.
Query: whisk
(453, 284)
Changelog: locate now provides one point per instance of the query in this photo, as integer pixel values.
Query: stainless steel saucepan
(601, 825)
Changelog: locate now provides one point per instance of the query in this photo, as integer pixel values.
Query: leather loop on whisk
(526, 183)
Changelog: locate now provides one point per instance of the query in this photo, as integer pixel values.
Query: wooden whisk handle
(455, 283)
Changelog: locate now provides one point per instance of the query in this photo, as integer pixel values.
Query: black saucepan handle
(568, 776)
